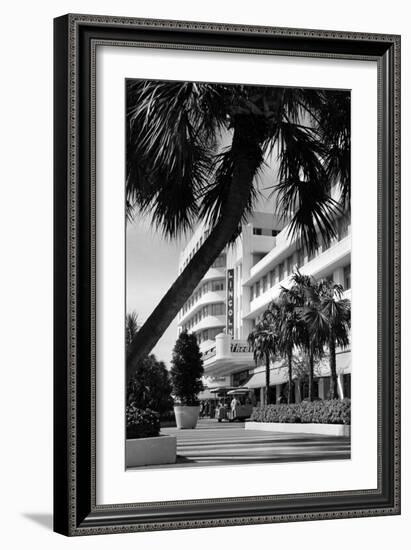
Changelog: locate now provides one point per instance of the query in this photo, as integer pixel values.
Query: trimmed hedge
(334, 411)
(141, 423)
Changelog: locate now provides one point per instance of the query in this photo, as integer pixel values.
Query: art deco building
(240, 285)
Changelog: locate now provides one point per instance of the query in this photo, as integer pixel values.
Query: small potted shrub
(186, 373)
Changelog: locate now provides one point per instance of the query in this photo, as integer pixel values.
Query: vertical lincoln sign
(230, 301)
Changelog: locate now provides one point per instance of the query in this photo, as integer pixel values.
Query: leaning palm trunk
(290, 376)
(333, 368)
(247, 158)
(310, 375)
(267, 378)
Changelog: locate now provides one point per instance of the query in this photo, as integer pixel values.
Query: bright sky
(151, 268)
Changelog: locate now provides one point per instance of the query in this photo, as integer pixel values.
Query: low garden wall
(149, 451)
(331, 417)
(144, 444)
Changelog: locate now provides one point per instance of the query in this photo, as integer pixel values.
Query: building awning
(343, 364)
(279, 373)
(277, 376)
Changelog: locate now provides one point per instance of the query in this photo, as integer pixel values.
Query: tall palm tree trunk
(310, 375)
(247, 158)
(290, 375)
(333, 368)
(267, 378)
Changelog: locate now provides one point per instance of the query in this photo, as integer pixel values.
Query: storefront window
(305, 389)
(347, 385)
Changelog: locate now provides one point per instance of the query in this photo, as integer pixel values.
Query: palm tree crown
(177, 172)
(132, 327)
(327, 316)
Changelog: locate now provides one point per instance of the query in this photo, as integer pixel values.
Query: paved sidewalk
(213, 443)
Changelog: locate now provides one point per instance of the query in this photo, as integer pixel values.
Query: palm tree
(132, 327)
(285, 318)
(263, 342)
(177, 172)
(304, 294)
(328, 319)
(291, 332)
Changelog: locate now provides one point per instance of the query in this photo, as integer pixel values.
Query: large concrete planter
(149, 451)
(186, 416)
(285, 427)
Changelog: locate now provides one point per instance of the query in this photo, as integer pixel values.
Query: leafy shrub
(141, 423)
(332, 411)
(150, 386)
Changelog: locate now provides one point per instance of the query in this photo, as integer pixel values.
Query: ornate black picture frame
(75, 41)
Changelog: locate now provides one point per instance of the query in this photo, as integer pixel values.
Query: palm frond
(303, 190)
(335, 131)
(171, 141)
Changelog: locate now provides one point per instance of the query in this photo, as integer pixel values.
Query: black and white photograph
(238, 274)
(202, 232)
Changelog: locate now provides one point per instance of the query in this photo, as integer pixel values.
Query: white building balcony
(210, 297)
(329, 260)
(211, 321)
(214, 273)
(282, 246)
(262, 243)
(320, 266)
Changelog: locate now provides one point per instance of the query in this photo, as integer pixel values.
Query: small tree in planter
(186, 372)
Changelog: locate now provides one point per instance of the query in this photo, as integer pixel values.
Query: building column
(340, 386)
(222, 345)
